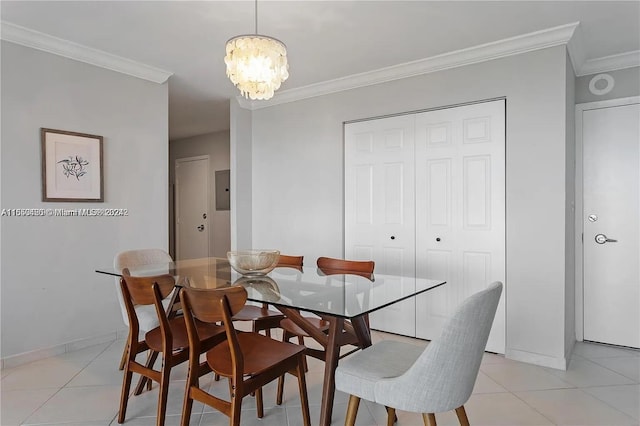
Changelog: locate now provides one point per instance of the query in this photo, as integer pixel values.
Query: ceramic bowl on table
(253, 262)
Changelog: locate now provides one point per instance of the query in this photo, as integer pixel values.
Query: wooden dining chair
(169, 338)
(435, 379)
(262, 317)
(249, 360)
(327, 266)
(131, 259)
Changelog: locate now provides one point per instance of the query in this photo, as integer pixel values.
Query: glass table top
(309, 289)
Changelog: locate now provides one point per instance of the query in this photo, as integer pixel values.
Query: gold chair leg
(352, 410)
(391, 416)
(462, 416)
(429, 419)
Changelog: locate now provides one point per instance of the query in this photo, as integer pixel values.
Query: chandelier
(256, 64)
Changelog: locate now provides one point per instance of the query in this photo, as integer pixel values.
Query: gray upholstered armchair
(435, 379)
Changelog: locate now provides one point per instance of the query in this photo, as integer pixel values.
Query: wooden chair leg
(462, 416)
(187, 405)
(163, 395)
(302, 387)
(352, 410)
(429, 419)
(234, 415)
(259, 403)
(391, 416)
(280, 393)
(391, 412)
(124, 396)
(124, 356)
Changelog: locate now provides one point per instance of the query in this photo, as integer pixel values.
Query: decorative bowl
(253, 262)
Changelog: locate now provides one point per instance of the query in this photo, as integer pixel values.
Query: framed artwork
(71, 166)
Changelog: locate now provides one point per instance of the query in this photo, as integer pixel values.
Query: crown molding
(485, 52)
(610, 63)
(68, 49)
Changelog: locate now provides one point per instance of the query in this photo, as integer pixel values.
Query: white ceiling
(325, 39)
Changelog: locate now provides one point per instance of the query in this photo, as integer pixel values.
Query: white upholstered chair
(147, 316)
(432, 380)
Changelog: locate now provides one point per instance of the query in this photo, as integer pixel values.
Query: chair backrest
(212, 306)
(442, 378)
(132, 259)
(290, 261)
(331, 266)
(143, 291)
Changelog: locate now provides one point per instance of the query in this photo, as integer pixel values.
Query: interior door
(460, 211)
(611, 231)
(379, 209)
(192, 207)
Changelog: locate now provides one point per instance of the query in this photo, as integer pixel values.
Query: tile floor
(601, 387)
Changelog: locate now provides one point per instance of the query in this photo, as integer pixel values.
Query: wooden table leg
(330, 365)
(363, 333)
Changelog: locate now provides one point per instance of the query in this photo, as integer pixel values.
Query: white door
(611, 196)
(460, 211)
(379, 209)
(192, 207)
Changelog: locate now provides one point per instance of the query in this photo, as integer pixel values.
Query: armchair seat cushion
(358, 374)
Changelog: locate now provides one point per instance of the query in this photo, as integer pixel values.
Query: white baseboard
(38, 354)
(537, 359)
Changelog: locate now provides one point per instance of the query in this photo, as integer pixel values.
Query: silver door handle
(201, 228)
(601, 239)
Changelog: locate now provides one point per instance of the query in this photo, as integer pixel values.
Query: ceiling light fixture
(256, 64)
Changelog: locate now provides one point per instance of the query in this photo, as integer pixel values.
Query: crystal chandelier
(256, 64)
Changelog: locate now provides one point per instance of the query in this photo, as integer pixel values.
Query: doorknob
(601, 239)
(201, 228)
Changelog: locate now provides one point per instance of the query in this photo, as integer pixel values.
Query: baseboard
(38, 354)
(537, 359)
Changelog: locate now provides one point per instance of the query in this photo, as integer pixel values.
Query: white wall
(50, 292)
(241, 176)
(297, 154)
(216, 146)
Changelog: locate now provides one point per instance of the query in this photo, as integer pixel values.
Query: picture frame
(72, 166)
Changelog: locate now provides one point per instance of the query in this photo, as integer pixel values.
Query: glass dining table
(343, 300)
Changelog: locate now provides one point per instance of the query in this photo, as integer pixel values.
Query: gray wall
(50, 293)
(570, 210)
(216, 146)
(627, 83)
(297, 154)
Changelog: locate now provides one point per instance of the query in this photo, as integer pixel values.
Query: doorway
(192, 207)
(608, 219)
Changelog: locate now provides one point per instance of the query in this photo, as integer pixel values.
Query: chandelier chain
(256, 3)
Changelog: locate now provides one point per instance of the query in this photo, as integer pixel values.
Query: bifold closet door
(460, 210)
(380, 209)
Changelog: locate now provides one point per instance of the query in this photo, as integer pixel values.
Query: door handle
(601, 239)
(201, 228)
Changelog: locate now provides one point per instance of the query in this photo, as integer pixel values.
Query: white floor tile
(17, 405)
(44, 374)
(583, 373)
(574, 407)
(521, 376)
(628, 367)
(90, 404)
(595, 350)
(274, 416)
(485, 385)
(624, 398)
(507, 392)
